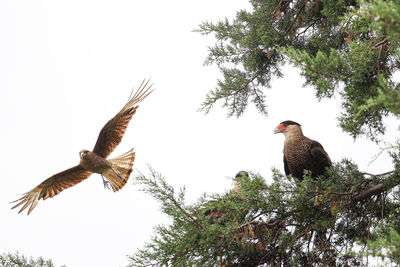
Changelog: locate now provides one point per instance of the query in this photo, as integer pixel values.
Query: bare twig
(309, 26)
(381, 43)
(378, 175)
(388, 146)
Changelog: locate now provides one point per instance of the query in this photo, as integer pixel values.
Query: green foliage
(283, 223)
(14, 260)
(385, 240)
(387, 245)
(346, 47)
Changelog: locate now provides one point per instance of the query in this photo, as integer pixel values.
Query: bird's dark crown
(286, 123)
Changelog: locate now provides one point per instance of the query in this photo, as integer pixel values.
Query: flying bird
(115, 172)
(300, 152)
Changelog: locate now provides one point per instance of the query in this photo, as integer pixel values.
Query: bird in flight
(115, 172)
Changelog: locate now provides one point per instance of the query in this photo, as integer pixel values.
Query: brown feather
(52, 186)
(111, 134)
(120, 171)
(302, 153)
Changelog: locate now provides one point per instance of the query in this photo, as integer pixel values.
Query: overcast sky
(67, 67)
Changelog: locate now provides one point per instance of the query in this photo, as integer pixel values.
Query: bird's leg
(105, 183)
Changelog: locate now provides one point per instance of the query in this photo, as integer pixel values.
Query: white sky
(69, 66)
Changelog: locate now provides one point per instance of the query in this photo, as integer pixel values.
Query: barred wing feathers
(52, 186)
(111, 134)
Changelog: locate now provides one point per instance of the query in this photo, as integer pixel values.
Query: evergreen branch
(295, 19)
(373, 190)
(381, 43)
(185, 212)
(214, 58)
(173, 258)
(16, 259)
(297, 227)
(249, 81)
(310, 68)
(161, 193)
(277, 11)
(306, 28)
(304, 232)
(315, 193)
(176, 256)
(261, 223)
(376, 189)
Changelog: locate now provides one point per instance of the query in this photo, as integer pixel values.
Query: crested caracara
(301, 153)
(236, 186)
(215, 213)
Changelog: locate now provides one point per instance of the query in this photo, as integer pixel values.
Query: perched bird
(301, 153)
(239, 176)
(115, 172)
(215, 213)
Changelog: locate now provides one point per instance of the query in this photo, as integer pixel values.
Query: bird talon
(93, 162)
(106, 183)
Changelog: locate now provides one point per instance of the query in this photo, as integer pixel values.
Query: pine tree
(347, 48)
(18, 260)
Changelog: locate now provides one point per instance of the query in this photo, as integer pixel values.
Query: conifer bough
(348, 48)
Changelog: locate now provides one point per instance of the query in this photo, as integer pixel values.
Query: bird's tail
(118, 175)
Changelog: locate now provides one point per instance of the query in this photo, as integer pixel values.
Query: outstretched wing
(111, 134)
(52, 186)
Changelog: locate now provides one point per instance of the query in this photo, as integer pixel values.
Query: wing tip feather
(141, 93)
(29, 199)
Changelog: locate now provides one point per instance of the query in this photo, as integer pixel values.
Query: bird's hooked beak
(280, 128)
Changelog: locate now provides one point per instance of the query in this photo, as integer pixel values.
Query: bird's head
(287, 126)
(83, 154)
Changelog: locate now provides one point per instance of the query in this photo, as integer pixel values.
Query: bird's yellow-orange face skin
(281, 127)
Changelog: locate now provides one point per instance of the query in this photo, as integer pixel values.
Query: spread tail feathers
(118, 175)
